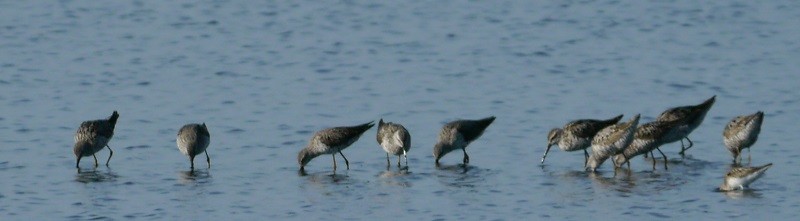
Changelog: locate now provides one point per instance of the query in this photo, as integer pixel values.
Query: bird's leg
(748, 156)
(684, 149)
(95, 160)
(466, 157)
(77, 164)
(691, 144)
(345, 160)
(388, 163)
(191, 161)
(334, 162)
(585, 157)
(654, 159)
(398, 161)
(208, 159)
(662, 155)
(110, 153)
(406, 157)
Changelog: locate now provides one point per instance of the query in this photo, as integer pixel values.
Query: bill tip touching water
(577, 135)
(192, 140)
(92, 136)
(331, 141)
(608, 138)
(611, 141)
(458, 135)
(740, 177)
(394, 139)
(741, 133)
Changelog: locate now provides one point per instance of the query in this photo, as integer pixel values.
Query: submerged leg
(191, 162)
(77, 164)
(466, 157)
(95, 160)
(387, 160)
(110, 153)
(662, 155)
(398, 160)
(345, 160)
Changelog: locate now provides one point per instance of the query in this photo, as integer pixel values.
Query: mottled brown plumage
(93, 136)
(742, 132)
(739, 178)
(458, 134)
(649, 137)
(577, 135)
(611, 141)
(395, 140)
(331, 141)
(689, 118)
(193, 139)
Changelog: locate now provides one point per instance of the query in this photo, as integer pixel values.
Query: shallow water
(264, 77)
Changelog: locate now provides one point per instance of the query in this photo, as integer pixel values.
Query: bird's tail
(364, 127)
(485, 122)
(113, 118)
(707, 104)
(614, 120)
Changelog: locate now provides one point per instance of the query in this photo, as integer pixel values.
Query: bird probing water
(92, 136)
(193, 139)
(458, 135)
(331, 141)
(395, 140)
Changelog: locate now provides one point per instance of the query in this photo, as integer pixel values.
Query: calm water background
(265, 76)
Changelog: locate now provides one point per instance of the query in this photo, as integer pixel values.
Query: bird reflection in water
(324, 177)
(459, 168)
(194, 176)
(395, 177)
(463, 175)
(743, 194)
(95, 176)
(622, 180)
